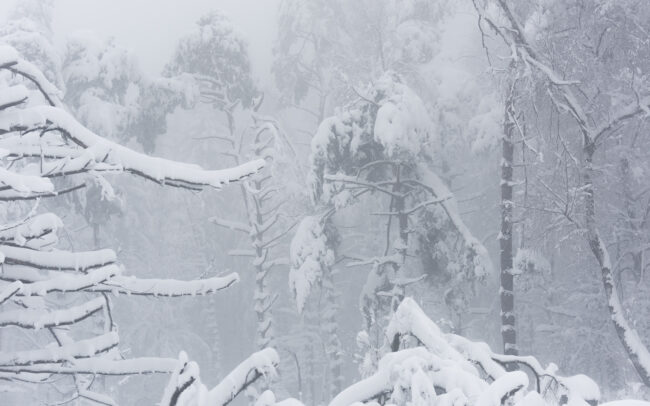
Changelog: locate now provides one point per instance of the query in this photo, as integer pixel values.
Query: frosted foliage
(29, 30)
(391, 121)
(311, 254)
(90, 60)
(402, 124)
(111, 95)
(216, 51)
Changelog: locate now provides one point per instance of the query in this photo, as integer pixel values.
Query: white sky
(150, 28)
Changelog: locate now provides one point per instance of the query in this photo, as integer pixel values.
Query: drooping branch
(99, 152)
(410, 321)
(185, 387)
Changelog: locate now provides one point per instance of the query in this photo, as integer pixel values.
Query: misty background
(305, 86)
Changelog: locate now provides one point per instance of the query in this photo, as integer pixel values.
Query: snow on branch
(10, 60)
(109, 279)
(261, 363)
(95, 153)
(57, 260)
(514, 36)
(38, 318)
(466, 367)
(166, 287)
(25, 184)
(100, 366)
(475, 250)
(13, 96)
(80, 349)
(312, 251)
(185, 387)
(34, 228)
(68, 282)
(39, 143)
(396, 372)
(10, 290)
(101, 154)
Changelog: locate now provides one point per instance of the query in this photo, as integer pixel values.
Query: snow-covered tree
(29, 30)
(313, 259)
(422, 365)
(384, 144)
(107, 90)
(217, 56)
(590, 83)
(47, 293)
(264, 198)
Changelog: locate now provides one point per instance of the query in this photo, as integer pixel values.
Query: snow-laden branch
(101, 154)
(185, 387)
(57, 260)
(108, 279)
(100, 366)
(68, 282)
(36, 227)
(435, 185)
(409, 366)
(38, 318)
(37, 144)
(96, 153)
(261, 363)
(50, 355)
(464, 355)
(10, 60)
(166, 287)
(312, 254)
(637, 109)
(13, 96)
(10, 290)
(25, 184)
(515, 38)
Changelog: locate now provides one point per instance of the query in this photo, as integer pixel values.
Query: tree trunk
(508, 332)
(636, 350)
(332, 342)
(262, 297)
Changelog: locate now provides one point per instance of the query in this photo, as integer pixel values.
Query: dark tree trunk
(508, 332)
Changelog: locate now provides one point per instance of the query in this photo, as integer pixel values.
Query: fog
(324, 202)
